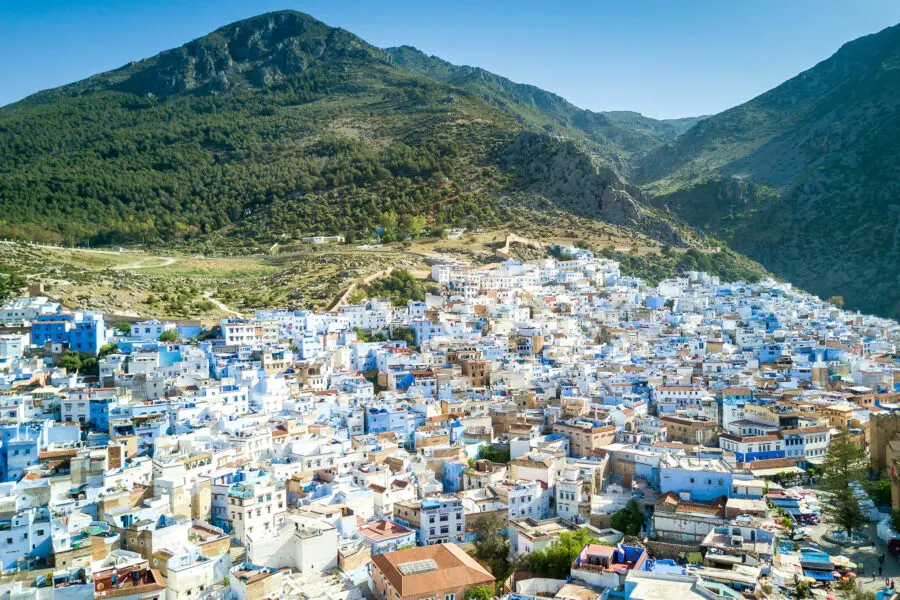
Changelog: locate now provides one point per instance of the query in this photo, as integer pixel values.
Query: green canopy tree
(479, 592)
(845, 463)
(106, 350)
(555, 559)
(170, 335)
(491, 546)
(629, 520)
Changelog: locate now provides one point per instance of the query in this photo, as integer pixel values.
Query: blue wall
(703, 486)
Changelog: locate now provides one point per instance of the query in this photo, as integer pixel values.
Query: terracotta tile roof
(816, 429)
(62, 453)
(671, 445)
(737, 391)
(383, 530)
(455, 569)
(751, 438)
(772, 463)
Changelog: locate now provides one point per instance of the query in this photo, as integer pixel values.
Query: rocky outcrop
(574, 180)
(261, 51)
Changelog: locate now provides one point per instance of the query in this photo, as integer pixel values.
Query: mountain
(804, 178)
(279, 126)
(617, 136)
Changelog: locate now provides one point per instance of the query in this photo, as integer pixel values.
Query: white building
(150, 331)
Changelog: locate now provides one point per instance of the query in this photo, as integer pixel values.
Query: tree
(479, 592)
(389, 221)
(416, 225)
(123, 327)
(555, 559)
(837, 301)
(400, 286)
(11, 283)
(491, 546)
(78, 362)
(844, 464)
(170, 335)
(488, 452)
(629, 520)
(107, 349)
(879, 491)
(70, 361)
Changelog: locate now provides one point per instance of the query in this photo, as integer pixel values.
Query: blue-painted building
(457, 430)
(769, 352)
(88, 335)
(98, 413)
(700, 479)
(451, 475)
(80, 332)
(21, 453)
(27, 538)
(20, 444)
(400, 420)
(51, 328)
(757, 447)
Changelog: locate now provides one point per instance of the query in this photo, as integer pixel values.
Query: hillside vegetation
(270, 129)
(279, 127)
(804, 178)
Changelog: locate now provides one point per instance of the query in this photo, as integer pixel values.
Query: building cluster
(249, 460)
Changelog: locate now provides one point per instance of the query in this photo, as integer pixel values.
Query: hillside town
(546, 429)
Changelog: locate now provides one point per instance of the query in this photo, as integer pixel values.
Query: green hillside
(277, 127)
(617, 136)
(804, 178)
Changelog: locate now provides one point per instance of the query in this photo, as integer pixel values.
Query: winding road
(221, 306)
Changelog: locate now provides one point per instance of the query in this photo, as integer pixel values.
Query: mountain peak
(259, 51)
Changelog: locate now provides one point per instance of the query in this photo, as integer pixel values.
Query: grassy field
(214, 268)
(139, 284)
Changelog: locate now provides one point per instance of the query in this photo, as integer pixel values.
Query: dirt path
(220, 305)
(512, 238)
(167, 261)
(341, 298)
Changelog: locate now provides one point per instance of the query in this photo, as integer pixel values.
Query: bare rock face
(576, 181)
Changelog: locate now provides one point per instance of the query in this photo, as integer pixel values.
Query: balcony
(129, 582)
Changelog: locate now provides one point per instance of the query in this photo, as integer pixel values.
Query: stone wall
(669, 550)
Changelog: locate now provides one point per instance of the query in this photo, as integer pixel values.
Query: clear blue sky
(664, 58)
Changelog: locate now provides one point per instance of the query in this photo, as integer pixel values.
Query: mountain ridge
(276, 127)
(281, 126)
(775, 175)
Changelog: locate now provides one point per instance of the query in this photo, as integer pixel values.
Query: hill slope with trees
(804, 178)
(273, 128)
